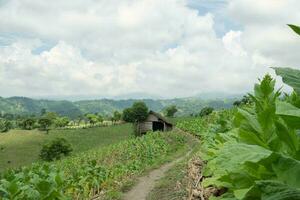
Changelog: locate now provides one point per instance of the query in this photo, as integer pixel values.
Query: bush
(170, 111)
(55, 149)
(5, 125)
(137, 113)
(206, 111)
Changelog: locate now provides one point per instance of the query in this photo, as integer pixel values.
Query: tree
(244, 101)
(116, 117)
(43, 111)
(206, 111)
(128, 115)
(5, 125)
(170, 111)
(27, 123)
(92, 118)
(45, 123)
(51, 115)
(137, 113)
(55, 149)
(61, 121)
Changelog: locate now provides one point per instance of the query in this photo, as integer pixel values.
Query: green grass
(173, 185)
(175, 120)
(20, 147)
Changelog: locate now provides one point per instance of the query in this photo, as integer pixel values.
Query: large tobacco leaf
(272, 190)
(295, 28)
(289, 76)
(289, 112)
(287, 170)
(233, 156)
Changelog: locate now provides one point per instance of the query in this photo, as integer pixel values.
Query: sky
(164, 48)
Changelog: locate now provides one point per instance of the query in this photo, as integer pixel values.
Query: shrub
(55, 149)
(206, 111)
(170, 111)
(5, 125)
(137, 113)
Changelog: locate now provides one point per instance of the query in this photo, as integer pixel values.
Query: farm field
(22, 147)
(104, 173)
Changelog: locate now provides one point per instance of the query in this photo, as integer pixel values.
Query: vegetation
(206, 111)
(253, 152)
(45, 123)
(264, 134)
(117, 116)
(55, 149)
(136, 113)
(94, 118)
(102, 172)
(250, 151)
(5, 125)
(14, 107)
(170, 111)
(22, 147)
(244, 101)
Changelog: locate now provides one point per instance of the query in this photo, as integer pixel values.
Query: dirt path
(146, 183)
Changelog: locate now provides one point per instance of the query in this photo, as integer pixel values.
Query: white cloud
(232, 43)
(160, 47)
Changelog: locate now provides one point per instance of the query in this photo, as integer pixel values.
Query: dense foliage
(206, 111)
(5, 125)
(258, 158)
(136, 113)
(170, 111)
(95, 173)
(55, 149)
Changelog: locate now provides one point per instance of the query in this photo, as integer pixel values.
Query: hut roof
(159, 116)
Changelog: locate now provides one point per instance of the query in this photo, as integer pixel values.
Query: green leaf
(289, 76)
(289, 113)
(233, 156)
(287, 170)
(295, 28)
(240, 194)
(289, 137)
(251, 138)
(251, 119)
(272, 190)
(284, 108)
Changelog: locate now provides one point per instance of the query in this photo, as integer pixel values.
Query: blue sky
(170, 48)
(223, 22)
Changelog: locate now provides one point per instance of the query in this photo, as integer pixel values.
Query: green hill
(27, 106)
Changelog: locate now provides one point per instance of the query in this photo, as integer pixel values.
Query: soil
(146, 183)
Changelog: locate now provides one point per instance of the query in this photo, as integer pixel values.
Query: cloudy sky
(166, 48)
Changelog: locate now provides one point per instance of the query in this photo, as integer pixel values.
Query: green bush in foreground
(259, 158)
(56, 149)
(95, 173)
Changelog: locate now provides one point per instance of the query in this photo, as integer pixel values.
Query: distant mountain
(218, 95)
(26, 106)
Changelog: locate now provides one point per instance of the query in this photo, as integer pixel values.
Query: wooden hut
(154, 122)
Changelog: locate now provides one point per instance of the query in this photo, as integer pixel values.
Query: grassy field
(20, 147)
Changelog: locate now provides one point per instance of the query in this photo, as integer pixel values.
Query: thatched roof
(159, 116)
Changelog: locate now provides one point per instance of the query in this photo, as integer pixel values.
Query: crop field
(22, 147)
(102, 172)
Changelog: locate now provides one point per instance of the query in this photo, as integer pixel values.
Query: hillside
(25, 106)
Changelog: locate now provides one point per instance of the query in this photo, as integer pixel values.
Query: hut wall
(145, 127)
(151, 118)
